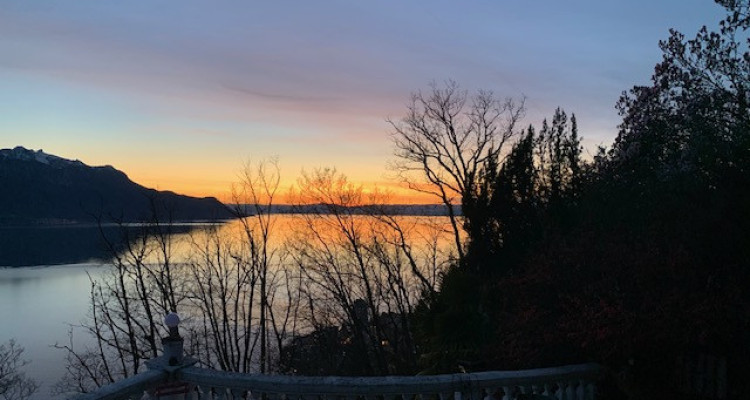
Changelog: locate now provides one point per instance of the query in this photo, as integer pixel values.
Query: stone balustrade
(173, 377)
(568, 382)
(573, 382)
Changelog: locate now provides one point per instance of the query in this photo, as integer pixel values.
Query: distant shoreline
(426, 210)
(417, 210)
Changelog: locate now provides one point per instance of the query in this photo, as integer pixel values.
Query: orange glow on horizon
(389, 192)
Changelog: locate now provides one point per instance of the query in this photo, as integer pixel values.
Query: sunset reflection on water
(40, 304)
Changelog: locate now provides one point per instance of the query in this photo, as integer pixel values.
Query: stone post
(172, 345)
(171, 361)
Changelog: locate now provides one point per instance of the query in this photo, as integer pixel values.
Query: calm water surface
(37, 307)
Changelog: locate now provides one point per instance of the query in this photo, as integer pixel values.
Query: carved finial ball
(172, 320)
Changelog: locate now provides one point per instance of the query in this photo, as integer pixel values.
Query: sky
(181, 94)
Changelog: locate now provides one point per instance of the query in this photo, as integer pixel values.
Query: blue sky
(179, 94)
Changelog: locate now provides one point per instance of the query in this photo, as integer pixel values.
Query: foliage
(635, 260)
(521, 198)
(524, 194)
(694, 118)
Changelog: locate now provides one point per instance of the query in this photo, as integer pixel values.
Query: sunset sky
(179, 94)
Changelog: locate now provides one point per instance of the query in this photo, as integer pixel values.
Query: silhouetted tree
(445, 139)
(648, 273)
(522, 197)
(363, 275)
(694, 118)
(14, 384)
(236, 299)
(128, 304)
(523, 193)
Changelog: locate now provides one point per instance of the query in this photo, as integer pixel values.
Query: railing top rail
(386, 384)
(135, 384)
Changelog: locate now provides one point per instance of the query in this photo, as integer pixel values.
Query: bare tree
(240, 290)
(237, 300)
(14, 384)
(127, 307)
(362, 273)
(258, 187)
(445, 139)
(223, 303)
(236, 277)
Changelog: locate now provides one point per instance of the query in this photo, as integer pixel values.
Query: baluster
(547, 392)
(205, 392)
(700, 373)
(237, 394)
(581, 390)
(475, 393)
(711, 368)
(489, 394)
(721, 378)
(562, 392)
(507, 393)
(221, 394)
(193, 394)
(572, 390)
(590, 391)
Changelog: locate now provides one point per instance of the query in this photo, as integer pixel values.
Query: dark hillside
(39, 188)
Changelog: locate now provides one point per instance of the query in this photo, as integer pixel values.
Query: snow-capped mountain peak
(24, 154)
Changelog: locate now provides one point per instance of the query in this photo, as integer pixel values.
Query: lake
(37, 307)
(40, 303)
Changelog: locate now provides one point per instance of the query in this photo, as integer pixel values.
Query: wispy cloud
(282, 97)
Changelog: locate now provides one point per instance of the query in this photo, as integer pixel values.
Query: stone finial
(172, 321)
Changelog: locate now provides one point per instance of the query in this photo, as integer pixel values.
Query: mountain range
(37, 188)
